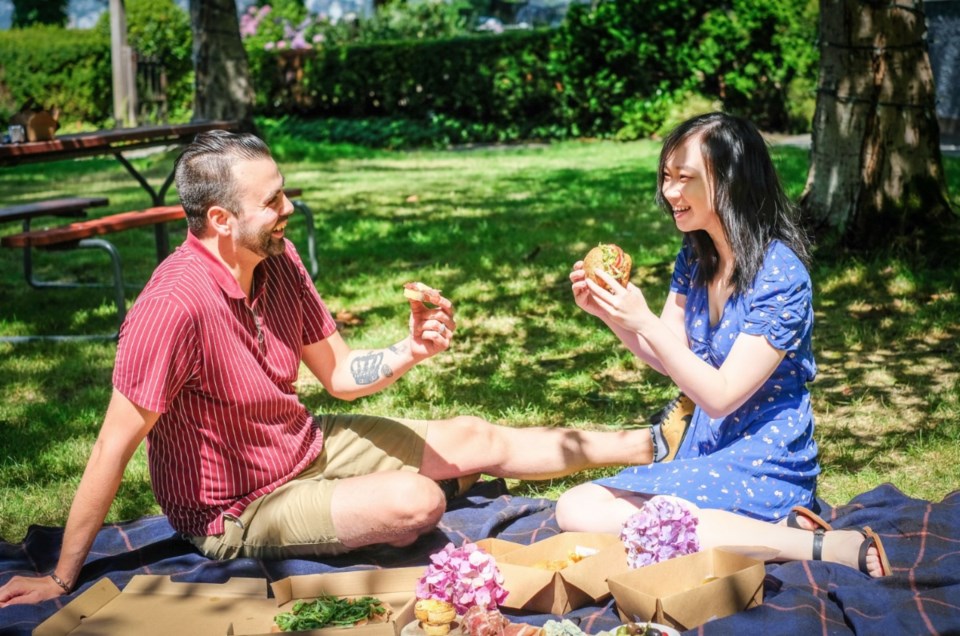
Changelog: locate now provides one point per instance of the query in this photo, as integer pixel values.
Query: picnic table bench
(68, 206)
(89, 234)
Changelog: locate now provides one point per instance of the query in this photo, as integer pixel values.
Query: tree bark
(222, 88)
(876, 175)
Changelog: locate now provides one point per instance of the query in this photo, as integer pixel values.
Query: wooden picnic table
(69, 206)
(114, 142)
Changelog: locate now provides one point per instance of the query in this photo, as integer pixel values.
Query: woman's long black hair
(747, 195)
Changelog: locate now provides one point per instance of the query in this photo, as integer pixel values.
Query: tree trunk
(876, 175)
(222, 88)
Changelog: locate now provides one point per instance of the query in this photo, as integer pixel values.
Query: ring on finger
(442, 329)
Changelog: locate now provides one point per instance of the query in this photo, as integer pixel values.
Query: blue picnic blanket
(921, 538)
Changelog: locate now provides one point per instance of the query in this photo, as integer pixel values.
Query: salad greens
(330, 611)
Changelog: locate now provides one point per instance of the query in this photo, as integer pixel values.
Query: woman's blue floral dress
(761, 459)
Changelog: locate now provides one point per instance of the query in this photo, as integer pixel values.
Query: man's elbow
(345, 393)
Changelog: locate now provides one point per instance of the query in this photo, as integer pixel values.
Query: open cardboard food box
(673, 592)
(687, 591)
(533, 587)
(157, 606)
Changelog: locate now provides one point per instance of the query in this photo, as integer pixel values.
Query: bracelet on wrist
(59, 581)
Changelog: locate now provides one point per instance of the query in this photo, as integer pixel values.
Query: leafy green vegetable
(329, 611)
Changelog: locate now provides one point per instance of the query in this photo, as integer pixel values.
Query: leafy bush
(750, 53)
(30, 12)
(297, 139)
(56, 67)
(71, 68)
(475, 78)
(613, 65)
(602, 73)
(286, 24)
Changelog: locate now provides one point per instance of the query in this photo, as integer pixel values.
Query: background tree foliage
(30, 12)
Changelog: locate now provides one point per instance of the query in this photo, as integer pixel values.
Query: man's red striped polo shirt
(221, 371)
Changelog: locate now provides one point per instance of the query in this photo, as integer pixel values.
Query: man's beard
(262, 243)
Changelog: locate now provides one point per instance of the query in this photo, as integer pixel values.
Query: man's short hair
(204, 172)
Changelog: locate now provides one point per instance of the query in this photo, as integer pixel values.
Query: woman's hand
(582, 294)
(625, 307)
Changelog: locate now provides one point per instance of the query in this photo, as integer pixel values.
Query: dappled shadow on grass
(26, 311)
(499, 239)
(52, 401)
(888, 348)
(484, 235)
(51, 394)
(514, 253)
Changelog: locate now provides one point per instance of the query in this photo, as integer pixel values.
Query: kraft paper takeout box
(396, 586)
(497, 547)
(674, 593)
(156, 606)
(537, 589)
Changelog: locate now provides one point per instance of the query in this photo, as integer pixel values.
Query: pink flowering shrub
(250, 20)
(271, 29)
(665, 527)
(465, 576)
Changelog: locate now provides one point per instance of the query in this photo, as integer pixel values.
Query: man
(205, 371)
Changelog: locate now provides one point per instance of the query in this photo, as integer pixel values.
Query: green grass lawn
(496, 229)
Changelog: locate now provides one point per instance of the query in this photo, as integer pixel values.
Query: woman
(734, 335)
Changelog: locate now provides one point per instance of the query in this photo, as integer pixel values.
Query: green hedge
(622, 68)
(605, 72)
(69, 69)
(475, 78)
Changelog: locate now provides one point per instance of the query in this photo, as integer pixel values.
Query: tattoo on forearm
(386, 370)
(398, 348)
(366, 368)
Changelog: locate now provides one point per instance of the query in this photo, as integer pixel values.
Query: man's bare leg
(465, 445)
(393, 507)
(396, 507)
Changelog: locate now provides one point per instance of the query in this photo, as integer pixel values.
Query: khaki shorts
(295, 519)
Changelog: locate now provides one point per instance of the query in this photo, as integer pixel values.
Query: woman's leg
(594, 508)
(719, 528)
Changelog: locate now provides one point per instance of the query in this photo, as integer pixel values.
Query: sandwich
(611, 259)
(421, 292)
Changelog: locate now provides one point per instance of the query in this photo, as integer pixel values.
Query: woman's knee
(574, 507)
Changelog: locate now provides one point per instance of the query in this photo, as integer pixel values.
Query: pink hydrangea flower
(465, 576)
(665, 527)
